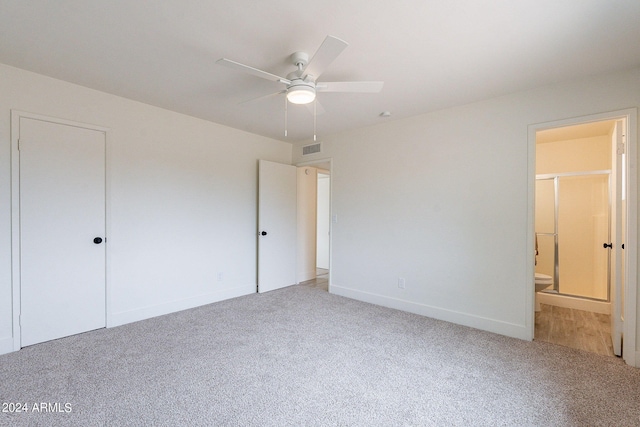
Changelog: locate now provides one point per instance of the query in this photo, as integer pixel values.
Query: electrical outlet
(401, 283)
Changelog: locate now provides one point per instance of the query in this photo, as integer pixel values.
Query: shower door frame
(556, 253)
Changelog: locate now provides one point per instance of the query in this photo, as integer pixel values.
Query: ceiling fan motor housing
(300, 59)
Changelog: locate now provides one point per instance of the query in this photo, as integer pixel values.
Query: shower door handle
(607, 245)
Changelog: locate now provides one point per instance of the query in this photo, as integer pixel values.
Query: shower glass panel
(583, 225)
(546, 262)
(545, 215)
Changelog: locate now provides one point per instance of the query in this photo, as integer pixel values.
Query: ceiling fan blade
(263, 97)
(362, 87)
(253, 71)
(328, 51)
(319, 108)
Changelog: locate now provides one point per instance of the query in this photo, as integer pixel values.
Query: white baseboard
(575, 303)
(6, 345)
(483, 323)
(124, 317)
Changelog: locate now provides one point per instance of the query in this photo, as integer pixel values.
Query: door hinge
(19, 145)
(621, 145)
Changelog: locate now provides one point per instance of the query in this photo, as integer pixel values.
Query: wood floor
(321, 281)
(579, 329)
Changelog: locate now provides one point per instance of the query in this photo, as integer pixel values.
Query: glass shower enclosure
(572, 222)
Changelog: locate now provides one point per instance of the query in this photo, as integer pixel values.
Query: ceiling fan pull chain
(315, 115)
(285, 116)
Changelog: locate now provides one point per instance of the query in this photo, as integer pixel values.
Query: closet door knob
(97, 240)
(264, 233)
(607, 245)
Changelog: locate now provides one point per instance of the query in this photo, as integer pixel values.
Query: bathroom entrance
(579, 219)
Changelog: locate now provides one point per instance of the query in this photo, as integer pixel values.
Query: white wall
(182, 199)
(306, 235)
(441, 200)
(574, 155)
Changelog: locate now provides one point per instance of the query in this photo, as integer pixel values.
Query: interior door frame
(16, 115)
(631, 242)
(331, 222)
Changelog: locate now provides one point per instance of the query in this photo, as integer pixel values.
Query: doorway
(59, 228)
(314, 223)
(581, 179)
(287, 225)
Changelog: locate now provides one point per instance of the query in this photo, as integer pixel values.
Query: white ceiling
(430, 54)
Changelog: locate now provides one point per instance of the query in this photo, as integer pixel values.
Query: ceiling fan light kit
(302, 84)
(301, 92)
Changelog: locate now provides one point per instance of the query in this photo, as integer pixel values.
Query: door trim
(631, 244)
(16, 115)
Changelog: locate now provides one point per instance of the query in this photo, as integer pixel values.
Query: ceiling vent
(311, 149)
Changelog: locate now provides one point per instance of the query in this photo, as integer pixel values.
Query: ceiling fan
(302, 84)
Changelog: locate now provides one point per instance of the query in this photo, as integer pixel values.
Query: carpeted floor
(303, 357)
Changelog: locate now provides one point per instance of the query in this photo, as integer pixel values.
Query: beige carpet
(302, 357)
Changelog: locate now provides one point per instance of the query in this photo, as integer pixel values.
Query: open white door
(617, 233)
(277, 223)
(62, 229)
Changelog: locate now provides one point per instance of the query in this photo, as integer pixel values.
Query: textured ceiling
(430, 54)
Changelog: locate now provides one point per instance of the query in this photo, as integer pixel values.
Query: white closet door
(62, 211)
(277, 225)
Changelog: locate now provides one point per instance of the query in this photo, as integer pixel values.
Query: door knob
(609, 245)
(97, 240)
(264, 233)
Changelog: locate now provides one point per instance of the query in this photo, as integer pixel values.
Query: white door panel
(617, 230)
(277, 223)
(62, 210)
